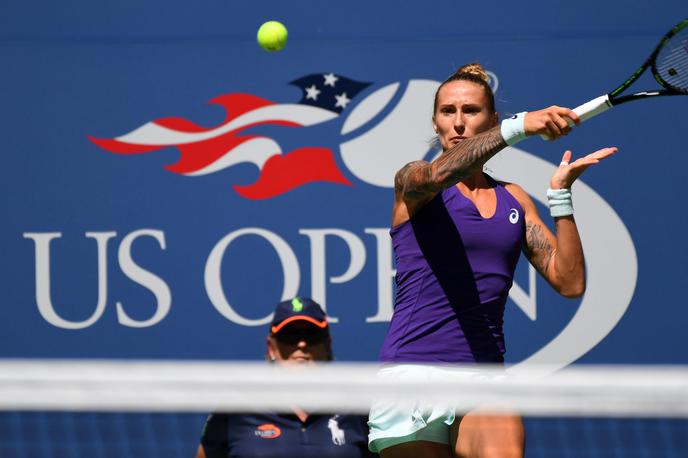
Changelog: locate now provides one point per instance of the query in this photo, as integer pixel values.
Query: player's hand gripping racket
(669, 64)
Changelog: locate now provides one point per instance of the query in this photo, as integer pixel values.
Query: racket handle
(588, 110)
(593, 108)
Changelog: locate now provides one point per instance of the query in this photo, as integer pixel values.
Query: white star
(330, 79)
(342, 100)
(312, 92)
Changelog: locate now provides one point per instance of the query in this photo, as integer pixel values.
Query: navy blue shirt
(276, 435)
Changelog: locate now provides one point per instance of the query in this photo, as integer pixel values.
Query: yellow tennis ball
(272, 36)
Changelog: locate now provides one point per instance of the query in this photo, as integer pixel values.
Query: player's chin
(453, 141)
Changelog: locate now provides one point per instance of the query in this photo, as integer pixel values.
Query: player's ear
(495, 119)
(434, 125)
(272, 350)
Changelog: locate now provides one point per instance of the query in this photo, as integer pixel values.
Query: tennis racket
(669, 65)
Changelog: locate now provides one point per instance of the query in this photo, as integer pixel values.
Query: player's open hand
(568, 171)
(551, 123)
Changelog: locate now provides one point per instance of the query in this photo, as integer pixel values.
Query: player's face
(463, 111)
(300, 342)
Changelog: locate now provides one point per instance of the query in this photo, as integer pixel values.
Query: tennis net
(53, 408)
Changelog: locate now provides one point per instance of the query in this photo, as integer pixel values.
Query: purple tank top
(454, 272)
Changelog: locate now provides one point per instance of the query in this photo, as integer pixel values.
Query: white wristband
(560, 203)
(513, 129)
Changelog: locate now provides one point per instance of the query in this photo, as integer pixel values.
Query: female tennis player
(457, 236)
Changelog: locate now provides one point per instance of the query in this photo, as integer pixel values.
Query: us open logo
(382, 127)
(268, 431)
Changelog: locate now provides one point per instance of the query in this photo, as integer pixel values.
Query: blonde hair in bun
(475, 73)
(474, 69)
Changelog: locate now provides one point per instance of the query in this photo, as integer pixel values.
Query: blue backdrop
(167, 181)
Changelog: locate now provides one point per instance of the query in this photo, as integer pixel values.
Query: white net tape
(155, 386)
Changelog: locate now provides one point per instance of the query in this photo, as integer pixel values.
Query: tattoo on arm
(420, 179)
(539, 247)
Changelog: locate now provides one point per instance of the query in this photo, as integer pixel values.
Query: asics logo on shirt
(513, 216)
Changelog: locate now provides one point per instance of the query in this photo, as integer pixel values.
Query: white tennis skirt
(393, 423)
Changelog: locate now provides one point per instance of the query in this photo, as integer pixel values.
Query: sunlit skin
(469, 133)
(467, 130)
(462, 115)
(462, 112)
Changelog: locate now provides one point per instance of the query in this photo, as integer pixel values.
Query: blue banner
(168, 181)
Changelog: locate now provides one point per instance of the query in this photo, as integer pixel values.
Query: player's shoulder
(413, 165)
(403, 173)
(512, 187)
(519, 193)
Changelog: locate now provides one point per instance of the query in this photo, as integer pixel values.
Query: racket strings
(672, 61)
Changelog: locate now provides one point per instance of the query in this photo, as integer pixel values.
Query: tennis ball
(272, 36)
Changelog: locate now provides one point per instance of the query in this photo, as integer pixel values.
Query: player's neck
(475, 182)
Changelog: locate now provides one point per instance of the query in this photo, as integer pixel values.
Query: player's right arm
(418, 182)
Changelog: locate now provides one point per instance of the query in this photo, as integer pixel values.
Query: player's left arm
(558, 257)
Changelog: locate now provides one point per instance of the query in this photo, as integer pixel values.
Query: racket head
(670, 59)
